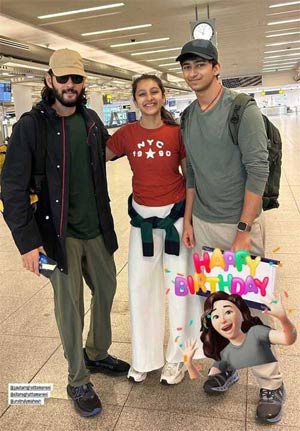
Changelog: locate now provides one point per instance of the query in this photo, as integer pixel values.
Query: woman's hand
(189, 350)
(276, 309)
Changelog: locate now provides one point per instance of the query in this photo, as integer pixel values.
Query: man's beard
(69, 104)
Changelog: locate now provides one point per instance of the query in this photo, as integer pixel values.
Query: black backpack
(39, 154)
(271, 193)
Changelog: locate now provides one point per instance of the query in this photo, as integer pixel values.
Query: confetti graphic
(280, 264)
(167, 291)
(181, 345)
(184, 358)
(173, 281)
(274, 301)
(179, 329)
(180, 275)
(286, 294)
(276, 249)
(177, 338)
(167, 270)
(191, 322)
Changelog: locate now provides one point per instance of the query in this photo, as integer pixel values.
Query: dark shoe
(86, 401)
(218, 383)
(269, 408)
(110, 365)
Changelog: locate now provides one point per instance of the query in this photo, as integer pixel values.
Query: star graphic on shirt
(150, 154)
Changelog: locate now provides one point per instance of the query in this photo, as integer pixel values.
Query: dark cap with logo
(201, 47)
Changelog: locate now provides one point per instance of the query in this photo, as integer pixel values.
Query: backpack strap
(40, 150)
(237, 109)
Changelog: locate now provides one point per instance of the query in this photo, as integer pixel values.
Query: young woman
(155, 152)
(231, 335)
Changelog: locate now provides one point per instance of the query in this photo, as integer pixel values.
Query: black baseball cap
(201, 47)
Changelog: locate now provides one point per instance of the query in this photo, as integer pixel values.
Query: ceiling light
(282, 43)
(157, 50)
(116, 29)
(167, 64)
(275, 70)
(283, 34)
(160, 59)
(281, 50)
(27, 66)
(274, 62)
(290, 3)
(283, 12)
(284, 55)
(46, 24)
(139, 42)
(277, 67)
(174, 68)
(90, 9)
(287, 59)
(284, 22)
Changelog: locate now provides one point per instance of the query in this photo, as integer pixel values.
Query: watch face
(242, 226)
(203, 31)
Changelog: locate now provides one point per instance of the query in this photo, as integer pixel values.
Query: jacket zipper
(63, 177)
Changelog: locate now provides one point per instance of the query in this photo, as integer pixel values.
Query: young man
(72, 223)
(225, 183)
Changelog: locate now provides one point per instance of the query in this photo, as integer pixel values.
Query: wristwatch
(243, 227)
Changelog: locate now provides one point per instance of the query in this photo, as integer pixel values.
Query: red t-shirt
(154, 156)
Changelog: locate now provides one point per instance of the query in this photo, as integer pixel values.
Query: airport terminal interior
(259, 48)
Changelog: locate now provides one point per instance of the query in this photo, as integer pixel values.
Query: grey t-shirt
(255, 350)
(219, 170)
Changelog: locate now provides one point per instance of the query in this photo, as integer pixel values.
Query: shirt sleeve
(252, 140)
(190, 176)
(261, 333)
(117, 142)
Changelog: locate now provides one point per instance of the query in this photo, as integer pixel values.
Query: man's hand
(242, 241)
(188, 236)
(31, 260)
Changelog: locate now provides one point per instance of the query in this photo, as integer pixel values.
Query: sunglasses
(76, 79)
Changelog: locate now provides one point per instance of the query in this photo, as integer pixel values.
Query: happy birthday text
(226, 261)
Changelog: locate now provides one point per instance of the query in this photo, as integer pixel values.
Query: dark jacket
(47, 225)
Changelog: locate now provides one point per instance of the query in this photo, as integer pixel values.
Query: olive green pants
(88, 260)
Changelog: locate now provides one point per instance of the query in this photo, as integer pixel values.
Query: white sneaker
(172, 373)
(136, 376)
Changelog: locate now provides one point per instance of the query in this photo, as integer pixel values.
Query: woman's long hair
(166, 116)
(48, 95)
(213, 342)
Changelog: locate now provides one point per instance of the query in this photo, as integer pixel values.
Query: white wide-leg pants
(151, 280)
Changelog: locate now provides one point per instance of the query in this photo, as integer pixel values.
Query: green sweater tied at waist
(172, 240)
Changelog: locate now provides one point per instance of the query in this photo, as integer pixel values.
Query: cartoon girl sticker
(231, 335)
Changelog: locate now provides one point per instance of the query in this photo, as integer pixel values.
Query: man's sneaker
(136, 376)
(110, 365)
(172, 374)
(269, 408)
(86, 401)
(219, 383)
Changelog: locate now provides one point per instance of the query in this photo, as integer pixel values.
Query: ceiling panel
(241, 29)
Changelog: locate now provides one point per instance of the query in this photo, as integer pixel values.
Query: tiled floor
(30, 349)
